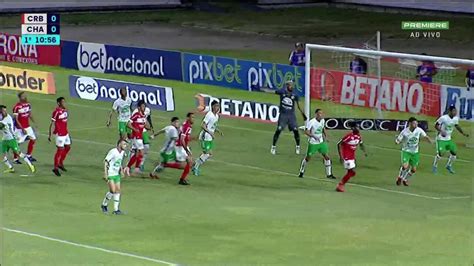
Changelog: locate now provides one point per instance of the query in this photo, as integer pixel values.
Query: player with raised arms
(9, 141)
(207, 135)
(63, 140)
(24, 131)
(445, 126)
(287, 117)
(123, 107)
(317, 143)
(409, 138)
(112, 175)
(346, 148)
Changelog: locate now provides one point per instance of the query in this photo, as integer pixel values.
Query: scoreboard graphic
(40, 29)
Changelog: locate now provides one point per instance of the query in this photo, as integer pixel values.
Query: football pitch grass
(247, 208)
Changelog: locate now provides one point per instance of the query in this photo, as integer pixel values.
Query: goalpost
(391, 85)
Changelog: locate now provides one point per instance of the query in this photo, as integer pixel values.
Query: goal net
(367, 83)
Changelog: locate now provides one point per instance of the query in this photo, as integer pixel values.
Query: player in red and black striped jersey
(347, 147)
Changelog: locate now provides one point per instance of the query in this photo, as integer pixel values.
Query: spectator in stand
(297, 56)
(358, 66)
(426, 71)
(470, 78)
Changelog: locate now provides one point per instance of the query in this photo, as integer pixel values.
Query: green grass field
(247, 208)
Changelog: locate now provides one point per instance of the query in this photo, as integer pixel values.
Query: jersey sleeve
(54, 115)
(309, 125)
(440, 120)
(346, 138)
(174, 134)
(456, 120)
(15, 110)
(400, 136)
(109, 156)
(207, 118)
(115, 105)
(422, 133)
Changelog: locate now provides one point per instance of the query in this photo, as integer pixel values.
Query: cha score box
(40, 29)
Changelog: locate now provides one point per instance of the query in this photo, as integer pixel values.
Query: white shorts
(21, 137)
(61, 141)
(137, 144)
(181, 154)
(349, 164)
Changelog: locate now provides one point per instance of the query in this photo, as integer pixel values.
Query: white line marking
(90, 247)
(241, 128)
(293, 174)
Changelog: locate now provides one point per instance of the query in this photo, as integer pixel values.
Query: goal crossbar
(332, 48)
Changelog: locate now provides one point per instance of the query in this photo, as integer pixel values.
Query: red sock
(139, 160)
(133, 160)
(185, 171)
(350, 173)
(15, 156)
(67, 148)
(31, 145)
(173, 165)
(57, 157)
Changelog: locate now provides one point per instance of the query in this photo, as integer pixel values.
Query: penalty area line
(309, 177)
(89, 247)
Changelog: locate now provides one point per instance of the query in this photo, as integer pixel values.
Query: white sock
(145, 153)
(202, 159)
(407, 174)
(436, 160)
(303, 165)
(451, 160)
(25, 158)
(402, 172)
(108, 196)
(327, 163)
(7, 163)
(116, 197)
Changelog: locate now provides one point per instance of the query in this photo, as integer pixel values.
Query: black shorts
(287, 120)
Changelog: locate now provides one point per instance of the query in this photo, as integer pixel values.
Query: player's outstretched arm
(428, 139)
(219, 131)
(159, 132)
(32, 119)
(458, 127)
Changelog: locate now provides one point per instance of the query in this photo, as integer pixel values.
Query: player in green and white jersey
(445, 126)
(146, 135)
(410, 140)
(317, 143)
(112, 174)
(9, 141)
(123, 107)
(207, 135)
(168, 151)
